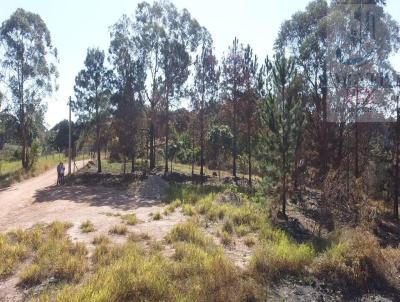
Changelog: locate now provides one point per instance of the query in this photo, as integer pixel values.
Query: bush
(226, 238)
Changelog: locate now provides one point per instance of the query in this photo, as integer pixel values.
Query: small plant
(250, 241)
(187, 232)
(226, 238)
(87, 227)
(242, 230)
(31, 275)
(102, 239)
(119, 229)
(188, 210)
(130, 219)
(157, 216)
(228, 226)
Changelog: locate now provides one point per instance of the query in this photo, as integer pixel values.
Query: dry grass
(157, 216)
(87, 227)
(130, 219)
(118, 230)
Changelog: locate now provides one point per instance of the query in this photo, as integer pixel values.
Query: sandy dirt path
(39, 200)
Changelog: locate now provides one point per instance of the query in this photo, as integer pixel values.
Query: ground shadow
(96, 196)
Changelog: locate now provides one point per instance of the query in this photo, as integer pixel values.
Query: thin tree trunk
(166, 134)
(152, 147)
(98, 141)
(249, 150)
(397, 183)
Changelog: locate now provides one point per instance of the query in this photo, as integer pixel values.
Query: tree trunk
(166, 134)
(151, 138)
(133, 162)
(234, 147)
(98, 141)
(201, 144)
(249, 150)
(396, 179)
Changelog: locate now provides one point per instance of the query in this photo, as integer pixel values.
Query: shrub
(130, 219)
(87, 227)
(118, 229)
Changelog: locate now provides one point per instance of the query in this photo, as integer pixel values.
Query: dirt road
(39, 200)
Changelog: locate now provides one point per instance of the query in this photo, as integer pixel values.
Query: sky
(76, 25)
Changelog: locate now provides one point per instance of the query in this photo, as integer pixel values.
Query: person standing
(59, 174)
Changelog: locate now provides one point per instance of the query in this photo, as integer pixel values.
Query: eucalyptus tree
(92, 92)
(232, 86)
(29, 71)
(165, 36)
(205, 86)
(283, 118)
(128, 85)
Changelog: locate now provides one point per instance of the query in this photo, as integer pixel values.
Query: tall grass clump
(12, 252)
(56, 257)
(278, 256)
(354, 259)
(87, 226)
(188, 232)
(130, 219)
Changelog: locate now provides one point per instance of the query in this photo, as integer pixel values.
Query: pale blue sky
(76, 25)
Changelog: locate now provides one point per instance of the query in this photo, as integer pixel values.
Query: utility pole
(69, 138)
(397, 154)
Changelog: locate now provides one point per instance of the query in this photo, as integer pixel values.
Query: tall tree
(164, 36)
(283, 117)
(253, 83)
(205, 87)
(92, 91)
(29, 72)
(232, 86)
(128, 83)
